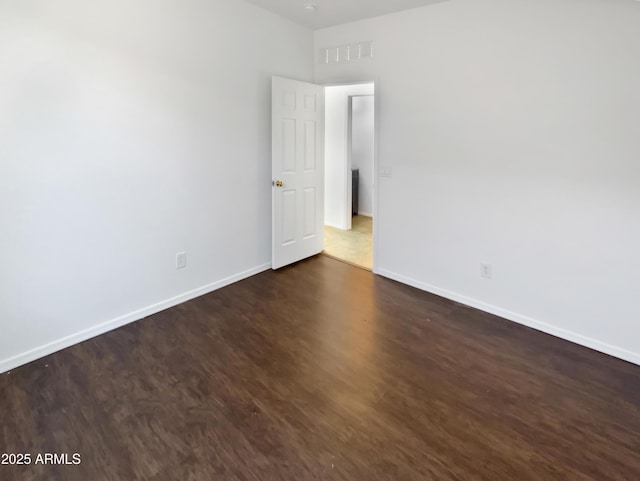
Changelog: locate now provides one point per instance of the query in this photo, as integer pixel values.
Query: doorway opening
(349, 173)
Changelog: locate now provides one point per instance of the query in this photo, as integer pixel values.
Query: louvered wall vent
(347, 53)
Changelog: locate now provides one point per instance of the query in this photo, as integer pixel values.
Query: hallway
(354, 246)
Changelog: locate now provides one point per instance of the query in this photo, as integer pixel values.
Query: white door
(297, 170)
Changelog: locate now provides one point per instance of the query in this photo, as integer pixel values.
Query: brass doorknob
(279, 183)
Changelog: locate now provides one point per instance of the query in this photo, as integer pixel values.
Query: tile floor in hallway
(354, 246)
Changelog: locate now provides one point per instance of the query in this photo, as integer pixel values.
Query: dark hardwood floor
(323, 371)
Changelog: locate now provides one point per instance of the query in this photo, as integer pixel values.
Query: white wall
(511, 127)
(337, 196)
(130, 131)
(362, 149)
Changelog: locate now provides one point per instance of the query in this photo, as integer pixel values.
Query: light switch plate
(386, 171)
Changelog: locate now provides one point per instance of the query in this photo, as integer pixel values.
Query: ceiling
(335, 12)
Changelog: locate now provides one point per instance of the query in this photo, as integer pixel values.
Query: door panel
(289, 209)
(310, 145)
(297, 171)
(289, 145)
(310, 201)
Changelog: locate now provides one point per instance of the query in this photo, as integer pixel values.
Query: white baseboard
(574, 337)
(68, 341)
(365, 214)
(336, 226)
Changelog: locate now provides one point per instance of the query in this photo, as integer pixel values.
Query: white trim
(376, 181)
(337, 226)
(365, 214)
(348, 174)
(68, 341)
(574, 337)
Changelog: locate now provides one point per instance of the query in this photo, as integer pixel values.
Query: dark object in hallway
(323, 371)
(355, 191)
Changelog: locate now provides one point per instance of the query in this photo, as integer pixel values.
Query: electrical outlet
(485, 270)
(181, 260)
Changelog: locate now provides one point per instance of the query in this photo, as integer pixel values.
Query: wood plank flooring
(323, 371)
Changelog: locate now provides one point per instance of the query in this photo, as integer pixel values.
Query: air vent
(346, 53)
(365, 50)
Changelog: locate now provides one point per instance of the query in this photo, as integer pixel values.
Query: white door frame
(376, 135)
